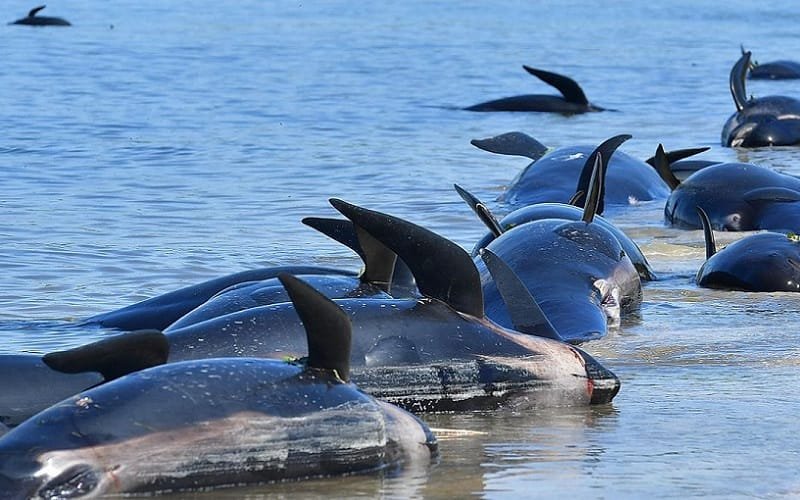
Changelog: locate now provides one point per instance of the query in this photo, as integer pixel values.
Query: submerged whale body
(32, 19)
(764, 121)
(571, 101)
(215, 422)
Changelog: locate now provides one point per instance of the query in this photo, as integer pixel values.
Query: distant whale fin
(771, 194)
(328, 329)
(594, 199)
(708, 234)
(379, 261)
(442, 269)
(480, 209)
(513, 144)
(35, 10)
(738, 75)
(606, 149)
(678, 154)
(526, 315)
(661, 165)
(570, 89)
(115, 356)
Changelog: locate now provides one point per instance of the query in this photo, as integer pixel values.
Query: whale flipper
(737, 78)
(771, 194)
(36, 10)
(526, 315)
(481, 210)
(512, 144)
(328, 329)
(113, 357)
(708, 234)
(441, 268)
(606, 149)
(568, 87)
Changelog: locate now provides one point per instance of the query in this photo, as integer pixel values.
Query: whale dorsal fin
(708, 234)
(594, 199)
(513, 144)
(678, 154)
(35, 10)
(328, 329)
(661, 164)
(113, 357)
(568, 87)
(771, 194)
(606, 149)
(481, 210)
(737, 78)
(526, 315)
(379, 261)
(441, 268)
(576, 198)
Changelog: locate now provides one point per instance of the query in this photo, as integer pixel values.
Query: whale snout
(604, 385)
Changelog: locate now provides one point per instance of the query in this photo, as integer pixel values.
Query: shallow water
(151, 146)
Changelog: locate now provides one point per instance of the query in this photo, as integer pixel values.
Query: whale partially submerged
(764, 121)
(214, 422)
(571, 101)
(32, 19)
(763, 262)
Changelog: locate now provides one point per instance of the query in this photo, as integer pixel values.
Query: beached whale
(215, 422)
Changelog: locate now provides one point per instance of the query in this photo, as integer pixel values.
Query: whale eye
(733, 222)
(75, 482)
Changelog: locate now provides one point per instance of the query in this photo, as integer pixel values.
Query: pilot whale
(576, 270)
(736, 197)
(33, 20)
(763, 262)
(764, 121)
(556, 176)
(571, 101)
(215, 422)
(245, 289)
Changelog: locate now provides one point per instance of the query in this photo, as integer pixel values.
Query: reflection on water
(188, 142)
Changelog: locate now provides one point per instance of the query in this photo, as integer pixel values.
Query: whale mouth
(603, 384)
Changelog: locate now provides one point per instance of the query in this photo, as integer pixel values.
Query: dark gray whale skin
(154, 430)
(161, 311)
(763, 121)
(570, 212)
(764, 262)
(736, 197)
(577, 272)
(775, 70)
(32, 19)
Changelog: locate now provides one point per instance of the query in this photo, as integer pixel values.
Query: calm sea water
(154, 145)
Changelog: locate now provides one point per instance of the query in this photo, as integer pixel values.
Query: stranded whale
(215, 422)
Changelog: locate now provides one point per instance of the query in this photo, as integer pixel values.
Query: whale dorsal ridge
(737, 78)
(35, 10)
(512, 144)
(442, 269)
(568, 87)
(708, 234)
(481, 210)
(379, 261)
(605, 149)
(526, 315)
(328, 329)
(113, 357)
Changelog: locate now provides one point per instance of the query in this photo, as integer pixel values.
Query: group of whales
(142, 411)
